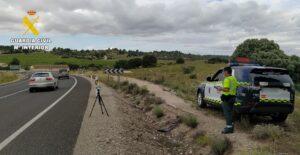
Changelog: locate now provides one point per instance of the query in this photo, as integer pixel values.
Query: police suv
(262, 90)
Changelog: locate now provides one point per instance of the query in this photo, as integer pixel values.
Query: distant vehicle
(63, 73)
(42, 80)
(262, 90)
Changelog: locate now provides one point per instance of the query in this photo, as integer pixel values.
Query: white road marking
(29, 123)
(13, 83)
(1, 97)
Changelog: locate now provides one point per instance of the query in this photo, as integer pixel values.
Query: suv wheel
(279, 117)
(200, 101)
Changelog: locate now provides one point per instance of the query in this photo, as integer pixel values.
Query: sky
(191, 26)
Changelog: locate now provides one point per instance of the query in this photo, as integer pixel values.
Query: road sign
(114, 71)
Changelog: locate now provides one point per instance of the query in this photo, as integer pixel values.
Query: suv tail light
(49, 78)
(32, 80)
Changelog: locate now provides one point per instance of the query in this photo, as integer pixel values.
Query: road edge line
(5, 96)
(9, 139)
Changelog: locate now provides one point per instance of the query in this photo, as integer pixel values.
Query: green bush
(220, 144)
(188, 69)
(149, 61)
(121, 64)
(180, 60)
(14, 61)
(158, 112)
(193, 76)
(266, 131)
(189, 120)
(134, 63)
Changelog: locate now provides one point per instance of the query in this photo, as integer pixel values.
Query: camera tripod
(100, 102)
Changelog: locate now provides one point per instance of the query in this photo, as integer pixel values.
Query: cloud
(195, 24)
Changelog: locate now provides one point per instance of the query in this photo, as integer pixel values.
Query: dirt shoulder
(208, 123)
(125, 131)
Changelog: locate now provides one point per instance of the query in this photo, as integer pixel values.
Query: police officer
(228, 97)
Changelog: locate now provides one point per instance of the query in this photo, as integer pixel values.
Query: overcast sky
(196, 26)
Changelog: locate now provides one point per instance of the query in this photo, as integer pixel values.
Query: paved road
(45, 122)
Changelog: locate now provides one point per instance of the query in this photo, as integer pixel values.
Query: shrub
(134, 63)
(189, 120)
(124, 83)
(149, 61)
(152, 99)
(73, 66)
(14, 61)
(188, 69)
(144, 91)
(216, 60)
(180, 60)
(266, 131)
(220, 144)
(121, 64)
(27, 68)
(201, 138)
(132, 89)
(193, 76)
(158, 112)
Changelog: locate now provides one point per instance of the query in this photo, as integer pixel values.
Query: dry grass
(267, 131)
(220, 144)
(172, 76)
(7, 77)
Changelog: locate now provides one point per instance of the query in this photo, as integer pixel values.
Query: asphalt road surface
(46, 122)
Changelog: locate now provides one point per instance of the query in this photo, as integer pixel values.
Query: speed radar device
(262, 90)
(100, 101)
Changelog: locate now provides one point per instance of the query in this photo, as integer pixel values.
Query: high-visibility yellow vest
(231, 83)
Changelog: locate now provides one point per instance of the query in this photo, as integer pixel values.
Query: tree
(180, 60)
(149, 61)
(267, 52)
(14, 61)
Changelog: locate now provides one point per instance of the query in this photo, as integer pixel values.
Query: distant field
(48, 58)
(7, 77)
(171, 75)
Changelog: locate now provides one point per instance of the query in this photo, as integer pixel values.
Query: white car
(42, 80)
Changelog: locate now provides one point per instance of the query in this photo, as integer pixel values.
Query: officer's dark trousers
(227, 105)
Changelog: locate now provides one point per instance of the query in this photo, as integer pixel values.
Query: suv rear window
(40, 75)
(256, 75)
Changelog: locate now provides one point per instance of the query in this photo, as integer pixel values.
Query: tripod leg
(103, 106)
(93, 106)
(99, 101)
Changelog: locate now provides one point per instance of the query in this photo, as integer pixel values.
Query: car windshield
(40, 75)
(262, 75)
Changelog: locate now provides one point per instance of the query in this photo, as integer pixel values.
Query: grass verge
(6, 77)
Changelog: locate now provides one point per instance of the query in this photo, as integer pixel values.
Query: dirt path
(124, 132)
(210, 124)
